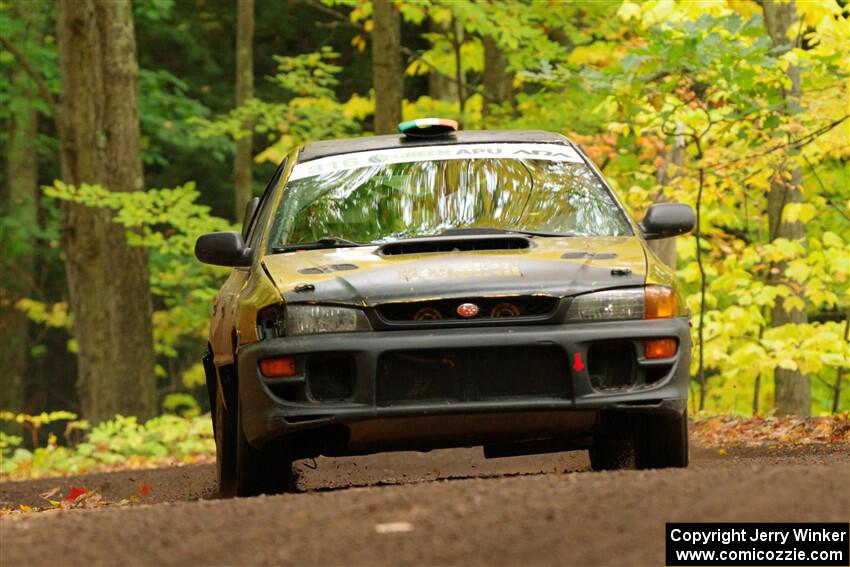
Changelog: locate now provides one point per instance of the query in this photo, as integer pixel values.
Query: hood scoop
(454, 244)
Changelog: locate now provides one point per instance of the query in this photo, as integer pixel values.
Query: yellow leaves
(761, 179)
(417, 67)
(629, 11)
(831, 30)
(361, 11)
(830, 37)
(747, 8)
(38, 420)
(793, 303)
(194, 376)
(619, 128)
(836, 359)
(798, 270)
(599, 53)
(686, 248)
(805, 347)
(802, 212)
(696, 8)
(737, 316)
(689, 273)
(790, 58)
(652, 12)
(55, 315)
(829, 238)
(359, 42)
(607, 107)
(358, 107)
(655, 11)
(276, 152)
(782, 249)
(787, 363)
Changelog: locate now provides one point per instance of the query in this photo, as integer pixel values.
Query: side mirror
(250, 209)
(223, 249)
(667, 219)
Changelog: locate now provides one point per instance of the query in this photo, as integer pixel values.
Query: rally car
(443, 288)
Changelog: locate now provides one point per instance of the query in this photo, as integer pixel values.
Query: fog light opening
(660, 348)
(279, 367)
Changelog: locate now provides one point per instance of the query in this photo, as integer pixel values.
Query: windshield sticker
(357, 160)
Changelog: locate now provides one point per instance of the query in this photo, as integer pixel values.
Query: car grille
(489, 308)
(472, 374)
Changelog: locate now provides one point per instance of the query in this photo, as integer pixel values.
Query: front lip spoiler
(281, 419)
(265, 416)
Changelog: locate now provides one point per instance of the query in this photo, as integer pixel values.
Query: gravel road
(445, 507)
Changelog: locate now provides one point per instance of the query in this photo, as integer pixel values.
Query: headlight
(313, 319)
(650, 302)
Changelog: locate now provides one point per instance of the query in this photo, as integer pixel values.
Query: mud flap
(212, 382)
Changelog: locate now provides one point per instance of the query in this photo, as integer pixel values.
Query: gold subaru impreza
(443, 288)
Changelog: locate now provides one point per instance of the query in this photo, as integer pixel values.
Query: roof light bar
(428, 127)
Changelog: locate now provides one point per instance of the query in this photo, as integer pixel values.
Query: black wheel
(224, 421)
(661, 441)
(641, 441)
(262, 471)
(610, 452)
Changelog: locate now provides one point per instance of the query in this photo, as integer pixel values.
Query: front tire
(641, 441)
(612, 453)
(225, 442)
(262, 471)
(661, 441)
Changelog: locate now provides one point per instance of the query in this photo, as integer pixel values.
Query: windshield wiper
(487, 230)
(321, 243)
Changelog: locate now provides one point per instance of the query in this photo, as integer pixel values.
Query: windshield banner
(357, 160)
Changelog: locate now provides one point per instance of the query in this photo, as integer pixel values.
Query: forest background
(739, 108)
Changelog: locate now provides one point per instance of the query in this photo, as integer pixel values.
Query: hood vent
(454, 244)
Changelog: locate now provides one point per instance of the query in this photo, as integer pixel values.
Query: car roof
(328, 148)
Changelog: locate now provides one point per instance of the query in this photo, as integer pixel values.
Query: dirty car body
(483, 288)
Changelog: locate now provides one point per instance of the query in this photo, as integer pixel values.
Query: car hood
(552, 266)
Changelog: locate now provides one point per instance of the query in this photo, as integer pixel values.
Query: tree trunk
(108, 282)
(387, 75)
(791, 387)
(441, 87)
(496, 81)
(244, 91)
(21, 197)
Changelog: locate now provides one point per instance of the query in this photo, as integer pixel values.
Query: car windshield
(404, 193)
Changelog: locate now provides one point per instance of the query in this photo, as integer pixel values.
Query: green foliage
(310, 110)
(711, 82)
(167, 222)
(181, 403)
(165, 112)
(151, 11)
(121, 441)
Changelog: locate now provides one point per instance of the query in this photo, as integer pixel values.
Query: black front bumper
(265, 414)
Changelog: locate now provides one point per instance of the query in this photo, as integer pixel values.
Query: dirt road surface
(448, 507)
